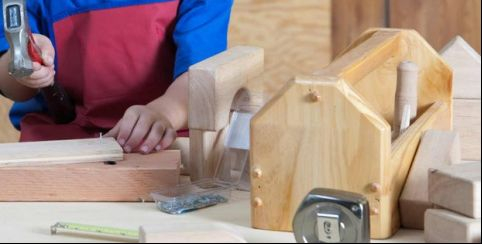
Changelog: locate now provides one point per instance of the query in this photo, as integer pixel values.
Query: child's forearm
(9, 86)
(174, 103)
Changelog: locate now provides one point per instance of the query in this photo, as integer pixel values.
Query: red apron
(109, 60)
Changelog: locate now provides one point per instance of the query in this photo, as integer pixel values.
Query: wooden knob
(375, 187)
(257, 202)
(374, 211)
(315, 96)
(257, 173)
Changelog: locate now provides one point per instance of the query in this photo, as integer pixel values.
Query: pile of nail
(190, 203)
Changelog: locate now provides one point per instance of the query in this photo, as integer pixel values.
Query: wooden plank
(213, 84)
(437, 149)
(60, 152)
(295, 35)
(206, 151)
(443, 226)
(460, 17)
(130, 180)
(8, 134)
(457, 188)
(466, 63)
(350, 18)
(188, 232)
(467, 122)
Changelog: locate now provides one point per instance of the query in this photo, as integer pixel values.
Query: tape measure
(91, 229)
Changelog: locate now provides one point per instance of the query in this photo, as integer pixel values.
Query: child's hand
(143, 130)
(42, 76)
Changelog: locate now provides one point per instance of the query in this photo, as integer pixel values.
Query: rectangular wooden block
(467, 122)
(443, 226)
(130, 180)
(188, 232)
(60, 152)
(457, 188)
(437, 148)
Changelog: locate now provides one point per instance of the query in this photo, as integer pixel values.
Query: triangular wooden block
(466, 64)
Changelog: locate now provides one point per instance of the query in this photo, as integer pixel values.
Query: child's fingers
(127, 125)
(169, 138)
(47, 49)
(154, 138)
(36, 66)
(41, 83)
(114, 132)
(139, 132)
(41, 73)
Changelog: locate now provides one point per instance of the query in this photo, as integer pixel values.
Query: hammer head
(17, 31)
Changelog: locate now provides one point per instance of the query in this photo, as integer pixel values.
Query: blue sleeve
(201, 31)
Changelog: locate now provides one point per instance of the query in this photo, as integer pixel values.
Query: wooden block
(60, 152)
(466, 64)
(130, 180)
(443, 226)
(188, 232)
(182, 144)
(214, 83)
(457, 188)
(437, 149)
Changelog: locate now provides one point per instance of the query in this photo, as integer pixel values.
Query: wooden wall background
(300, 36)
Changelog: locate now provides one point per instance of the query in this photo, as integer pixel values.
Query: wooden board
(130, 180)
(437, 149)
(443, 226)
(350, 18)
(460, 17)
(295, 35)
(332, 130)
(7, 132)
(465, 62)
(60, 152)
(467, 122)
(457, 188)
(188, 232)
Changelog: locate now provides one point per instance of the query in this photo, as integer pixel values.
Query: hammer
(25, 52)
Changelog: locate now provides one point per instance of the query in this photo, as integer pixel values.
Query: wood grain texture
(60, 152)
(437, 149)
(214, 82)
(443, 226)
(467, 122)
(128, 181)
(350, 18)
(295, 35)
(465, 62)
(8, 134)
(456, 188)
(188, 232)
(206, 151)
(460, 17)
(300, 143)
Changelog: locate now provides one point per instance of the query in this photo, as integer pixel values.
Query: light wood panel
(295, 35)
(439, 20)
(443, 226)
(350, 18)
(60, 152)
(131, 180)
(7, 132)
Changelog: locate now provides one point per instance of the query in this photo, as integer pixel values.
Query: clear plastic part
(230, 172)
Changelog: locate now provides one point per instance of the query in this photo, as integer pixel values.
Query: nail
(122, 142)
(158, 148)
(128, 149)
(145, 149)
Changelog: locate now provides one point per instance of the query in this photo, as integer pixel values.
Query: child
(123, 63)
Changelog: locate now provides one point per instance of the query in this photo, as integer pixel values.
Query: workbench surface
(30, 222)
